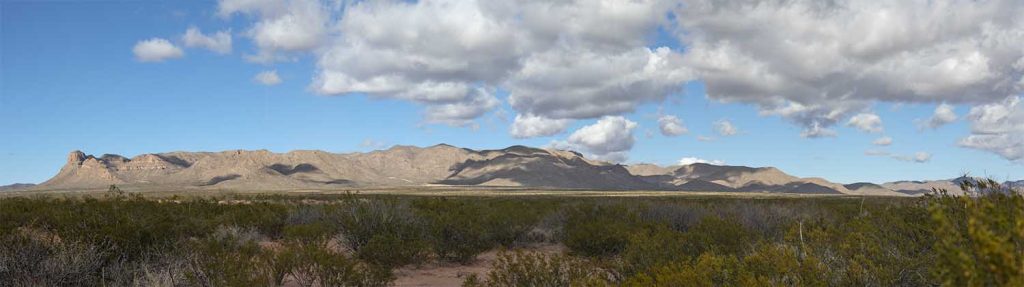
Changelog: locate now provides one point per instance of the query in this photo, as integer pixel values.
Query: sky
(848, 90)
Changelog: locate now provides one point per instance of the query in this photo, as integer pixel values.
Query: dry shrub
(536, 269)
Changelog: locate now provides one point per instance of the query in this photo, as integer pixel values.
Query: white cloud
(817, 130)
(705, 138)
(282, 26)
(373, 144)
(866, 122)
(671, 126)
(918, 157)
(875, 152)
(944, 114)
(462, 113)
(693, 160)
(922, 156)
(998, 128)
(725, 128)
(610, 139)
(393, 50)
(882, 141)
(528, 126)
(558, 60)
(219, 42)
(836, 57)
(583, 83)
(267, 78)
(156, 50)
(813, 63)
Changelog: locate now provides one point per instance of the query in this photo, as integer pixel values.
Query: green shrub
(600, 231)
(707, 270)
(508, 222)
(980, 239)
(313, 233)
(653, 248)
(226, 259)
(718, 235)
(314, 265)
(384, 232)
(458, 229)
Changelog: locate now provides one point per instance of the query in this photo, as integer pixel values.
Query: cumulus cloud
(281, 26)
(882, 141)
(558, 60)
(693, 160)
(461, 113)
(219, 42)
(671, 126)
(866, 122)
(267, 78)
(810, 61)
(943, 115)
(528, 126)
(725, 128)
(566, 83)
(156, 50)
(609, 139)
(998, 128)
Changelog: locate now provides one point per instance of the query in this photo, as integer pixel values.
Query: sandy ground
(450, 274)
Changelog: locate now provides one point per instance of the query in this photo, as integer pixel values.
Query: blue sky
(70, 81)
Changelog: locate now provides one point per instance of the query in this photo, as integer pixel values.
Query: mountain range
(438, 165)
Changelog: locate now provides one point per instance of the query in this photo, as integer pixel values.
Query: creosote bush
(535, 269)
(125, 239)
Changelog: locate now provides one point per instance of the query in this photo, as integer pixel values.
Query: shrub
(457, 228)
(382, 231)
(536, 269)
(225, 259)
(314, 265)
(718, 235)
(980, 239)
(649, 249)
(509, 222)
(312, 233)
(706, 270)
(32, 260)
(391, 250)
(600, 231)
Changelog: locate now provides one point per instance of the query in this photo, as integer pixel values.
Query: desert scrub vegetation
(125, 239)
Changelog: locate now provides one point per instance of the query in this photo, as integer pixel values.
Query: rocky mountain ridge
(438, 165)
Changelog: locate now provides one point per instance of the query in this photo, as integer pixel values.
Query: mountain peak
(76, 157)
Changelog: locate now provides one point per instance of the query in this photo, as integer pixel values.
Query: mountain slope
(400, 165)
(708, 177)
(525, 166)
(397, 166)
(515, 166)
(16, 186)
